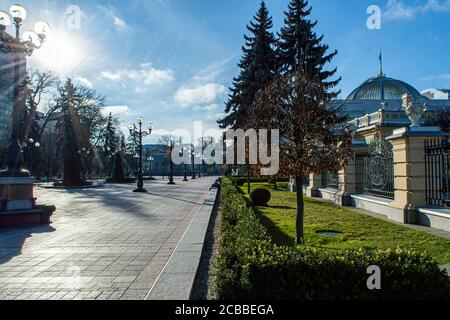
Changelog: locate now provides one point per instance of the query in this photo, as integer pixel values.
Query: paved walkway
(104, 243)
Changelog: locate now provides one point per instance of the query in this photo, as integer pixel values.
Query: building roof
(372, 89)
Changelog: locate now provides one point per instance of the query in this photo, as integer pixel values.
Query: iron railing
(437, 175)
(330, 180)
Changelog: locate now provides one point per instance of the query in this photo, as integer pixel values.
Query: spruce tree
(301, 50)
(69, 126)
(109, 136)
(257, 70)
(110, 142)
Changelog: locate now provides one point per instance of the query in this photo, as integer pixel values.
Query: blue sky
(171, 61)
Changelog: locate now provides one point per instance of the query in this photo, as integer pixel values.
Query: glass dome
(393, 90)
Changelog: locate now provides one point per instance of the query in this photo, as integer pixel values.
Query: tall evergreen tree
(70, 128)
(258, 69)
(110, 142)
(301, 50)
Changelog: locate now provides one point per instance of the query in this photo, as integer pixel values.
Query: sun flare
(59, 53)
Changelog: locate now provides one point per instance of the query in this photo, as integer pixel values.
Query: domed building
(383, 88)
(401, 167)
(387, 93)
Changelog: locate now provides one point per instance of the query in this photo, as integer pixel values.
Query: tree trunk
(249, 189)
(299, 239)
(275, 186)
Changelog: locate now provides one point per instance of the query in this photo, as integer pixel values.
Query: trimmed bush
(260, 197)
(249, 266)
(240, 181)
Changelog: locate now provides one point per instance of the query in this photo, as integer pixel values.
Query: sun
(59, 53)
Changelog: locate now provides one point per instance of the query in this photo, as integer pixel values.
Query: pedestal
(18, 205)
(409, 168)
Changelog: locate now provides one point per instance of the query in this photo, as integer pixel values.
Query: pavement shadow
(12, 240)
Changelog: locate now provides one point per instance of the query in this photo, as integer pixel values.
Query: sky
(172, 61)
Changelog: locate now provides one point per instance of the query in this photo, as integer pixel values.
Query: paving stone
(104, 243)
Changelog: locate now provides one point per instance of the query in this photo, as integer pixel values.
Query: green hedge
(240, 181)
(251, 267)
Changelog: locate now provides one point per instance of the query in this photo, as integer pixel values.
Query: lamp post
(17, 202)
(30, 145)
(150, 170)
(19, 46)
(185, 150)
(171, 146)
(140, 134)
(193, 162)
(83, 154)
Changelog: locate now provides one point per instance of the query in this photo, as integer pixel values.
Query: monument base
(38, 215)
(17, 204)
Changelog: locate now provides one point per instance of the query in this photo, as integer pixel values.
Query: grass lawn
(358, 230)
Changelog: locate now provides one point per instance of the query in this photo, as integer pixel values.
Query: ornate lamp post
(171, 182)
(17, 202)
(19, 47)
(30, 145)
(84, 154)
(193, 162)
(140, 134)
(185, 150)
(150, 165)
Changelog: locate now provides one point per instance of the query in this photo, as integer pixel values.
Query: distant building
(387, 92)
(6, 97)
(437, 94)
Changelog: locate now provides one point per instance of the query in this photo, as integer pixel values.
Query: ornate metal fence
(375, 169)
(437, 173)
(330, 180)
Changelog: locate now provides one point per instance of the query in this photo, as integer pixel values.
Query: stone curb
(177, 280)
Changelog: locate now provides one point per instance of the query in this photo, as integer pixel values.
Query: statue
(414, 110)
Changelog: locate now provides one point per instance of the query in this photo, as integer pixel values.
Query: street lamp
(185, 150)
(171, 146)
(150, 160)
(30, 145)
(193, 162)
(140, 134)
(20, 46)
(83, 154)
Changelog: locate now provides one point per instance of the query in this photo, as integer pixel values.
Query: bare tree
(314, 136)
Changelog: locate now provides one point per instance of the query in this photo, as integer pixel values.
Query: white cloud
(201, 94)
(212, 71)
(438, 6)
(84, 81)
(110, 75)
(400, 10)
(209, 108)
(116, 110)
(117, 21)
(444, 76)
(397, 10)
(145, 76)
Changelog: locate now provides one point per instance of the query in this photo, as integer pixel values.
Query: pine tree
(69, 126)
(258, 69)
(300, 49)
(109, 137)
(110, 142)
